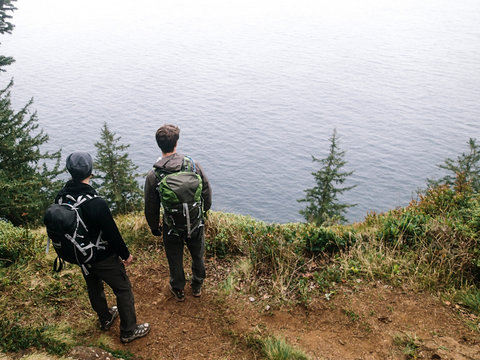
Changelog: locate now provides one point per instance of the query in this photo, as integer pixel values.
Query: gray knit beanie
(79, 165)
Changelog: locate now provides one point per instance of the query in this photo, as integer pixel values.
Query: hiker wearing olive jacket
(174, 236)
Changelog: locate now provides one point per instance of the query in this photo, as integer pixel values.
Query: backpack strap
(76, 201)
(159, 174)
(189, 164)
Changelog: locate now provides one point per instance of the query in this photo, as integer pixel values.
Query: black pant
(174, 250)
(112, 271)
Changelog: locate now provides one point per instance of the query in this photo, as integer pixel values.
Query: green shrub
(435, 238)
(16, 244)
(265, 248)
(230, 234)
(326, 240)
(271, 253)
(222, 243)
(402, 227)
(14, 337)
(472, 216)
(278, 254)
(327, 278)
(224, 234)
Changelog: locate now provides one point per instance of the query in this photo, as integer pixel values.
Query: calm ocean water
(257, 87)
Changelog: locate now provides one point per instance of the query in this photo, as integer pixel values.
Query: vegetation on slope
(432, 244)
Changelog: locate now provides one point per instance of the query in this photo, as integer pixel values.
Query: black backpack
(69, 234)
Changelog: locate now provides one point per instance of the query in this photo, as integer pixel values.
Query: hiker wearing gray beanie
(111, 254)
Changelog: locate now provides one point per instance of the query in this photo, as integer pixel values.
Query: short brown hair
(167, 137)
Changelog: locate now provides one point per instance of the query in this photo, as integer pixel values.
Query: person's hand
(128, 261)
(157, 232)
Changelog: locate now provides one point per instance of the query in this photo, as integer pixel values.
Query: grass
(35, 300)
(122, 354)
(352, 315)
(408, 343)
(267, 346)
(15, 337)
(432, 244)
(428, 245)
(228, 285)
(37, 356)
(278, 349)
(470, 298)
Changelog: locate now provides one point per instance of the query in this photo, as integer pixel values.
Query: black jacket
(170, 163)
(97, 217)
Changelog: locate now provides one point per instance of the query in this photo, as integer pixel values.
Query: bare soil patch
(363, 321)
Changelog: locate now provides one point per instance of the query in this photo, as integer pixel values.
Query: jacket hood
(170, 163)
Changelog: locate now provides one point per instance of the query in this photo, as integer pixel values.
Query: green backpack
(181, 198)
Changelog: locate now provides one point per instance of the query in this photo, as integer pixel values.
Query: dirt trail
(367, 321)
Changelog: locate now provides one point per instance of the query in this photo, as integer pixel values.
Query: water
(257, 87)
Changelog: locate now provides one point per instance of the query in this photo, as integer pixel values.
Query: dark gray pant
(112, 271)
(174, 250)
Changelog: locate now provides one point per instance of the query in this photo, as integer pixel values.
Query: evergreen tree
(466, 168)
(323, 205)
(6, 27)
(116, 174)
(27, 186)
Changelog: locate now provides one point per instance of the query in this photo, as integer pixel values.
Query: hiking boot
(140, 331)
(197, 292)
(179, 294)
(106, 325)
